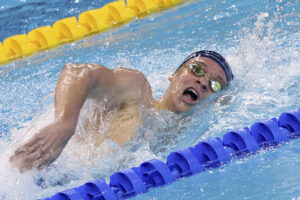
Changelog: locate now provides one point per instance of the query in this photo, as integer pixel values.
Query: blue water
(259, 39)
(22, 16)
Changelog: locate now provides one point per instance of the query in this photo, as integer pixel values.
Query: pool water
(260, 40)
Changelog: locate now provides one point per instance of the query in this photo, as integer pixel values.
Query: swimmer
(123, 91)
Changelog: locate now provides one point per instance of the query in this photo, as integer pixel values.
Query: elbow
(90, 74)
(82, 67)
(67, 68)
(72, 66)
(76, 70)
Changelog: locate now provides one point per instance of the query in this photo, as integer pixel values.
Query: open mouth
(190, 95)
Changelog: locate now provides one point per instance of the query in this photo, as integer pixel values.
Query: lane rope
(70, 29)
(192, 160)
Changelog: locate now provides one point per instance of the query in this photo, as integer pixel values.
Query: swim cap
(217, 58)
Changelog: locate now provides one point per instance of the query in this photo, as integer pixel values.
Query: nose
(203, 82)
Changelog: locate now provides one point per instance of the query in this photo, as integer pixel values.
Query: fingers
(27, 149)
(26, 159)
(46, 160)
(40, 151)
(41, 160)
(25, 167)
(46, 163)
(19, 153)
(34, 147)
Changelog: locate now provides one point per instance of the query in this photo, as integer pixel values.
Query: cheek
(176, 87)
(206, 95)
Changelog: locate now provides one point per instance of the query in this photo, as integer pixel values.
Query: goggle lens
(215, 85)
(197, 70)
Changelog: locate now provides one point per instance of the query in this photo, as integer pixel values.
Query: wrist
(68, 124)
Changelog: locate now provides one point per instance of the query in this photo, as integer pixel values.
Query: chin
(182, 108)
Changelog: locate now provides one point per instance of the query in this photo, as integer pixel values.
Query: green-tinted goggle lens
(198, 70)
(215, 85)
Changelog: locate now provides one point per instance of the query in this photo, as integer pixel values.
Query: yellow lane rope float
(70, 29)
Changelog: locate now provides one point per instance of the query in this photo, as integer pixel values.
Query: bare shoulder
(84, 67)
(130, 75)
(131, 78)
(96, 73)
(133, 86)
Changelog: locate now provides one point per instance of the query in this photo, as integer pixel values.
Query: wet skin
(124, 91)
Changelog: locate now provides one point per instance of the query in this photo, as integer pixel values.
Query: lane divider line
(70, 29)
(192, 160)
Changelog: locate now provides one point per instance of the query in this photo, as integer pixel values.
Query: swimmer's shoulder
(132, 77)
(135, 84)
(130, 73)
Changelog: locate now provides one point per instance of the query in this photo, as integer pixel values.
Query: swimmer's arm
(75, 84)
(121, 87)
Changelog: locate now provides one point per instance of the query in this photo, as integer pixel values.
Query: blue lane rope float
(183, 163)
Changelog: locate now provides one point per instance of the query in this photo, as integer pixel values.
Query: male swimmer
(123, 91)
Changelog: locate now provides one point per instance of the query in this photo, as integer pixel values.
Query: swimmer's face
(187, 90)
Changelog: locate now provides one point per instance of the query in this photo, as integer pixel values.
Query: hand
(43, 148)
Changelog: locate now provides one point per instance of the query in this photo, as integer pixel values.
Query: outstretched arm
(75, 83)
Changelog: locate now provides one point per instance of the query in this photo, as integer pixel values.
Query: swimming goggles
(199, 70)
